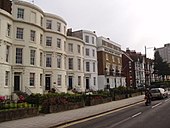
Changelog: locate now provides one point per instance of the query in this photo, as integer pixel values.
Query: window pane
(59, 80)
(78, 48)
(7, 53)
(70, 61)
(48, 24)
(79, 64)
(87, 66)
(41, 79)
(32, 79)
(19, 34)
(48, 60)
(8, 30)
(32, 57)
(58, 27)
(19, 55)
(58, 61)
(48, 41)
(20, 13)
(58, 43)
(87, 52)
(7, 78)
(87, 39)
(32, 35)
(79, 80)
(41, 58)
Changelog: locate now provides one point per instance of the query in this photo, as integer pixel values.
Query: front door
(47, 82)
(16, 82)
(87, 83)
(70, 82)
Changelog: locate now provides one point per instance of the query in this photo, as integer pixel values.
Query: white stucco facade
(90, 60)
(27, 45)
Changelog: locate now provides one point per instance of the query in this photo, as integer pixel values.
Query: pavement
(61, 118)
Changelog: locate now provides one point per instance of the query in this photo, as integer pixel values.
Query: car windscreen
(155, 91)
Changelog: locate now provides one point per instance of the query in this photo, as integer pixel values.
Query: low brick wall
(64, 107)
(99, 101)
(18, 114)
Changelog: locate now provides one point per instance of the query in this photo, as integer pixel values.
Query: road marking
(157, 105)
(137, 114)
(100, 115)
(167, 100)
(120, 122)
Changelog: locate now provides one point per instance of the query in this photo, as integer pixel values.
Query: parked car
(159, 93)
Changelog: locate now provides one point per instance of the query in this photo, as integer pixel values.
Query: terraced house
(109, 55)
(38, 53)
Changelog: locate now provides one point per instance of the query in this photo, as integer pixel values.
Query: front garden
(35, 104)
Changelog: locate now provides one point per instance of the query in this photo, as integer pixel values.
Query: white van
(159, 93)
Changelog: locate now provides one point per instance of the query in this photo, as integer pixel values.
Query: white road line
(120, 122)
(137, 114)
(157, 105)
(167, 100)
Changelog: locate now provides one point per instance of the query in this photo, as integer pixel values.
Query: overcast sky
(133, 24)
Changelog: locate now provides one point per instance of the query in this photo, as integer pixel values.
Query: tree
(160, 67)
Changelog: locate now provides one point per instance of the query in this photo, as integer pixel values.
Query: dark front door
(16, 82)
(47, 82)
(87, 83)
(70, 82)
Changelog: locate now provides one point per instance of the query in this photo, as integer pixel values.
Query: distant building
(109, 57)
(127, 69)
(136, 69)
(164, 52)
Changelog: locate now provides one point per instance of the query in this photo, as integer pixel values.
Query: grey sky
(131, 23)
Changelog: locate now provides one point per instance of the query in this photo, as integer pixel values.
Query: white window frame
(32, 57)
(79, 64)
(41, 59)
(70, 63)
(41, 39)
(48, 24)
(41, 21)
(7, 53)
(48, 41)
(59, 43)
(19, 54)
(32, 79)
(79, 81)
(94, 80)
(87, 66)
(20, 33)
(92, 40)
(94, 67)
(58, 27)
(20, 13)
(59, 80)
(93, 53)
(78, 49)
(41, 80)
(8, 30)
(87, 52)
(7, 76)
(59, 61)
(32, 35)
(48, 60)
(86, 38)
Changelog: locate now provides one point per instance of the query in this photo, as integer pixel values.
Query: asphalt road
(157, 115)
